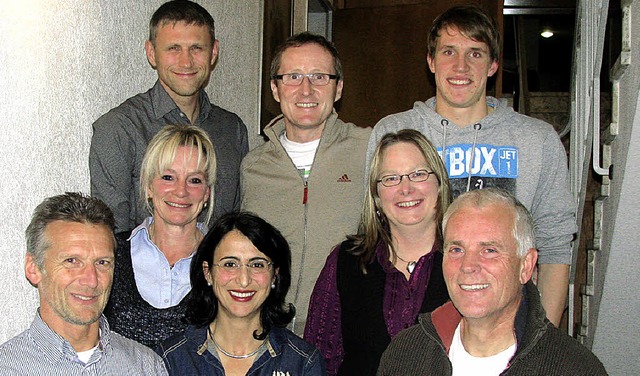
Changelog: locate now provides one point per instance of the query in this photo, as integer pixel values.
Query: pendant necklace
(233, 356)
(411, 265)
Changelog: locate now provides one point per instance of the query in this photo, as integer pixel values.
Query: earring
(273, 286)
(208, 283)
(205, 205)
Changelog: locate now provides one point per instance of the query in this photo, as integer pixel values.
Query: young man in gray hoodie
(484, 143)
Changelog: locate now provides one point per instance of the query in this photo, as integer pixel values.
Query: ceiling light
(546, 33)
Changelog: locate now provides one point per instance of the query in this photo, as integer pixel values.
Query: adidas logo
(344, 179)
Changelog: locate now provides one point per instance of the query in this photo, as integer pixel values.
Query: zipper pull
(305, 195)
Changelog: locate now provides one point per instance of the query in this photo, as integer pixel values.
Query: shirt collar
(52, 344)
(143, 228)
(273, 345)
(163, 104)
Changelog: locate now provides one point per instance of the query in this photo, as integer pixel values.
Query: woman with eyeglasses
(151, 275)
(376, 283)
(240, 276)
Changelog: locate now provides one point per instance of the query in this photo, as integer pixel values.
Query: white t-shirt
(466, 364)
(84, 356)
(301, 154)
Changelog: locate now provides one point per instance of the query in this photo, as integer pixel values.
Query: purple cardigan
(402, 303)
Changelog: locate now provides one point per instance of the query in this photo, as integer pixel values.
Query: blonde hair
(162, 151)
(374, 226)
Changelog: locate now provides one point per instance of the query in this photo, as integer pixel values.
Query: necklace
(411, 265)
(233, 356)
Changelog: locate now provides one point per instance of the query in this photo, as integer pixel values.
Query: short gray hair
(523, 229)
(70, 207)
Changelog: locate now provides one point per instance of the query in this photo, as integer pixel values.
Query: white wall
(615, 316)
(62, 64)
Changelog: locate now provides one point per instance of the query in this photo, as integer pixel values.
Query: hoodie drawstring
(444, 123)
(476, 127)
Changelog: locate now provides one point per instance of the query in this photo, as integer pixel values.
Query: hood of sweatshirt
(468, 148)
(427, 112)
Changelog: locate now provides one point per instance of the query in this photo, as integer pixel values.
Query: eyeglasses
(416, 177)
(255, 267)
(295, 79)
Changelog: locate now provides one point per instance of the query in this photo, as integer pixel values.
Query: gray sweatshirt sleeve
(386, 125)
(553, 207)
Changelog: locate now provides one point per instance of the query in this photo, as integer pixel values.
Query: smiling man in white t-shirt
(495, 323)
(308, 178)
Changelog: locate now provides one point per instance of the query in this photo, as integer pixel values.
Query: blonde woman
(377, 282)
(151, 277)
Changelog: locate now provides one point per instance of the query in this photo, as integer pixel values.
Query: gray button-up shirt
(120, 139)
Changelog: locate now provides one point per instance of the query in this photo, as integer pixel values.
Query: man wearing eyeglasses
(484, 143)
(308, 178)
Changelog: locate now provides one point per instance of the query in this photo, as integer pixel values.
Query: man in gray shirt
(70, 256)
(182, 49)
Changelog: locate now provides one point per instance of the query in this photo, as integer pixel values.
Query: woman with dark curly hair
(240, 276)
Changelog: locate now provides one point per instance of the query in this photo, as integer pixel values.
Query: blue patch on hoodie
(492, 166)
(488, 161)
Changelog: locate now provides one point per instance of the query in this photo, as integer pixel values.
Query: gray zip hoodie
(505, 149)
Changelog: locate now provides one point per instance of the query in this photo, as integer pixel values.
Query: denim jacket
(286, 355)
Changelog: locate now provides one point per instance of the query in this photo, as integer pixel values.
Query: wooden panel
(384, 56)
(277, 28)
(351, 4)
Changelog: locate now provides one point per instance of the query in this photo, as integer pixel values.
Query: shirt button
(166, 300)
(182, 115)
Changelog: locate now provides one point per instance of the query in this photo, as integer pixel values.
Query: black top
(129, 314)
(364, 331)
